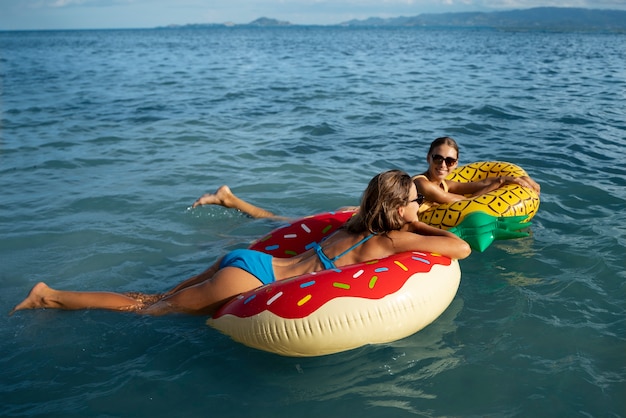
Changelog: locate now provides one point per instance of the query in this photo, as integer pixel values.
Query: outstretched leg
(42, 296)
(201, 298)
(223, 196)
(206, 297)
(194, 280)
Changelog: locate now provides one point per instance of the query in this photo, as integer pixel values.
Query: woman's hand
(523, 181)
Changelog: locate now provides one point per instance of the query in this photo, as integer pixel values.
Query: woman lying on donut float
(385, 224)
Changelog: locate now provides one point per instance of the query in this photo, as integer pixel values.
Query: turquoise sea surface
(108, 137)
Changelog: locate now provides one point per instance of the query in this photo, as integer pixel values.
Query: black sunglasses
(438, 159)
(419, 199)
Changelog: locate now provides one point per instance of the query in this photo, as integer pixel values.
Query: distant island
(262, 21)
(538, 18)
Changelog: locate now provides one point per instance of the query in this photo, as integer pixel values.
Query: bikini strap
(363, 241)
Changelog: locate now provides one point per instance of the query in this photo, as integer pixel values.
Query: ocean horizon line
(535, 18)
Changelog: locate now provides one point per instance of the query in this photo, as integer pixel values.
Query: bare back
(379, 246)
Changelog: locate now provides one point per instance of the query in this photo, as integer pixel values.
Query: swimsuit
(329, 263)
(254, 262)
(260, 266)
(429, 204)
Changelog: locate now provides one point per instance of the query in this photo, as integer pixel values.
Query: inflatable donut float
(338, 309)
(507, 201)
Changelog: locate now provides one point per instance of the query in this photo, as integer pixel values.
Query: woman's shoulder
(424, 184)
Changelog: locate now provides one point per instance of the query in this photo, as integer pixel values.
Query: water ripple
(109, 136)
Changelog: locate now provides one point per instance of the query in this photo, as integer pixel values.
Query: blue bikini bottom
(254, 262)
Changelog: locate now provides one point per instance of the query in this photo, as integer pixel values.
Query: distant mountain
(264, 21)
(539, 18)
(260, 22)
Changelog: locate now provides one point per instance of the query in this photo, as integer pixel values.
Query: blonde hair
(378, 212)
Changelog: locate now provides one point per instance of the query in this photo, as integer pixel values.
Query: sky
(114, 14)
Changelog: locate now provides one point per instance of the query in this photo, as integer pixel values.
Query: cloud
(65, 3)
(57, 4)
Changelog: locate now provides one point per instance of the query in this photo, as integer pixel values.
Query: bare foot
(35, 299)
(225, 197)
(222, 197)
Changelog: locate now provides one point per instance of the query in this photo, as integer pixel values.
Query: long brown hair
(378, 212)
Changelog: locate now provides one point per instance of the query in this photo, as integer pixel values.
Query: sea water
(108, 137)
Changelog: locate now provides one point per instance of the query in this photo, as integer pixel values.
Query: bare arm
(477, 188)
(424, 237)
(421, 228)
(457, 190)
(434, 193)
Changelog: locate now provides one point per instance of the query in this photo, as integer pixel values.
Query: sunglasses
(438, 159)
(419, 199)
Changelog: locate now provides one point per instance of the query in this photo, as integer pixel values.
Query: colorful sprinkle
(306, 228)
(287, 236)
(307, 284)
(249, 299)
(402, 266)
(291, 252)
(341, 285)
(272, 247)
(381, 269)
(357, 274)
(372, 282)
(327, 228)
(273, 298)
(304, 300)
(421, 259)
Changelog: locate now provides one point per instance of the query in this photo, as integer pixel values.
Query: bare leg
(202, 298)
(223, 196)
(206, 297)
(197, 279)
(42, 296)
